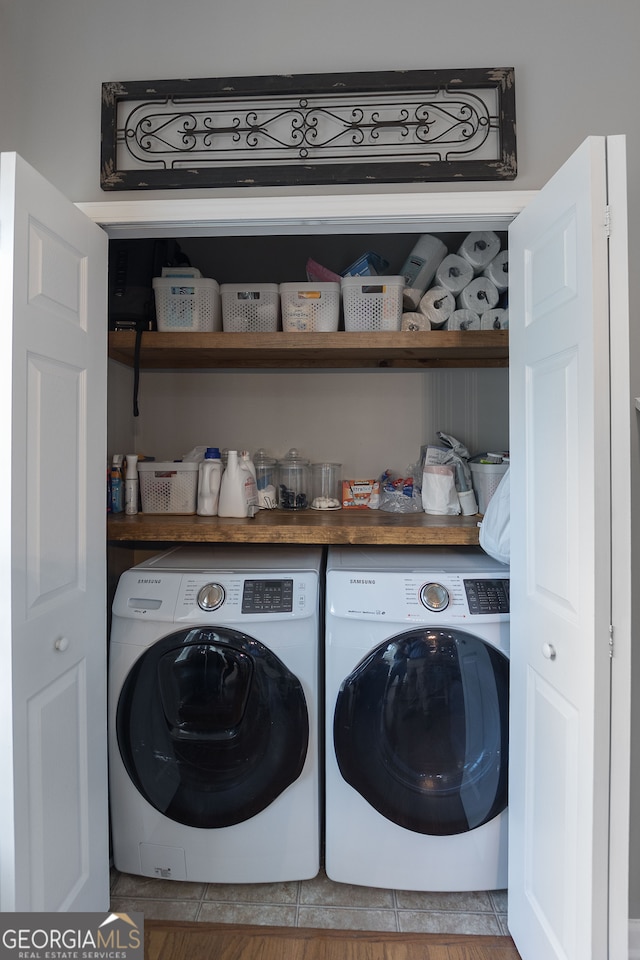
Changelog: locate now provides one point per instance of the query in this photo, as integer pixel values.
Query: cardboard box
(360, 494)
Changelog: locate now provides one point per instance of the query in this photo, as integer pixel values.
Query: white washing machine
(417, 681)
(213, 715)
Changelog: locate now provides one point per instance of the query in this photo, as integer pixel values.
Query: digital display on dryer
(267, 596)
(487, 596)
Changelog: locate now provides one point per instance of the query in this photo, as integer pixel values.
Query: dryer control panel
(420, 596)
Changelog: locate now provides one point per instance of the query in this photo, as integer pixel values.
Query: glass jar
(265, 479)
(326, 486)
(293, 481)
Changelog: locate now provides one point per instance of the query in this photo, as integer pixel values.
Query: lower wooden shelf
(307, 526)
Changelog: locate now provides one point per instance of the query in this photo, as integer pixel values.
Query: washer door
(211, 727)
(421, 731)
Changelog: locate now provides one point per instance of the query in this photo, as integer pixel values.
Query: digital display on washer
(487, 596)
(267, 596)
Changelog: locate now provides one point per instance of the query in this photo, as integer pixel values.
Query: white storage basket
(486, 477)
(372, 303)
(168, 487)
(310, 306)
(250, 308)
(187, 304)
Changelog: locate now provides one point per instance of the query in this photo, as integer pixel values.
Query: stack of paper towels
(466, 290)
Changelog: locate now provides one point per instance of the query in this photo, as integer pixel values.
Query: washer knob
(434, 597)
(211, 596)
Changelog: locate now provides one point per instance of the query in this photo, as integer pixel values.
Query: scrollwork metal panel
(319, 128)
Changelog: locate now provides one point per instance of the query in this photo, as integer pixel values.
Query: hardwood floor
(166, 940)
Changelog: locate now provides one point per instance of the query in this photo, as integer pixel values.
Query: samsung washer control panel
(486, 597)
(215, 595)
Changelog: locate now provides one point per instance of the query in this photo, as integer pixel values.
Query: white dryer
(213, 715)
(417, 680)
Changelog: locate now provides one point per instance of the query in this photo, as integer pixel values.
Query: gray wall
(577, 73)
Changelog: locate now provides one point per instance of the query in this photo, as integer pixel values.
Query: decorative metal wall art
(400, 126)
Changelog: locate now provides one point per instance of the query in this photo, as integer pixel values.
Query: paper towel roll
(437, 305)
(415, 321)
(498, 271)
(480, 248)
(454, 273)
(497, 319)
(480, 295)
(463, 320)
(411, 297)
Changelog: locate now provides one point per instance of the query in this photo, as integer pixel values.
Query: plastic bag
(495, 535)
(399, 494)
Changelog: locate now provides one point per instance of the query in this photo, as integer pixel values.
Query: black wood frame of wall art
(398, 126)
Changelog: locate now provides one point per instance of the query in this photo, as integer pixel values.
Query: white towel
(454, 273)
(463, 320)
(497, 319)
(437, 305)
(480, 249)
(498, 271)
(480, 295)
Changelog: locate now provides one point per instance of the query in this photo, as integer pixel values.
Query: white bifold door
(570, 571)
(54, 851)
(570, 410)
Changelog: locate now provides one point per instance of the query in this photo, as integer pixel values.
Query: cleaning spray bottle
(117, 491)
(232, 502)
(131, 485)
(209, 478)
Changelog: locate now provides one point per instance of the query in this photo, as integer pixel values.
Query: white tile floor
(313, 903)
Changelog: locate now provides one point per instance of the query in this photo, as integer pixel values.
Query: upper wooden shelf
(433, 348)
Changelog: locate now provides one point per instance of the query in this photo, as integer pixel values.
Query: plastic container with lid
(293, 481)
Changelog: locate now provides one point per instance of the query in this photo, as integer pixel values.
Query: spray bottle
(131, 485)
(117, 491)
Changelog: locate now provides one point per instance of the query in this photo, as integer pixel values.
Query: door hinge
(611, 651)
(607, 220)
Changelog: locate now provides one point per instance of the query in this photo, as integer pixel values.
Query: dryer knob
(210, 597)
(434, 597)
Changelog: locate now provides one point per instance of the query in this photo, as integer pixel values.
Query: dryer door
(211, 726)
(421, 730)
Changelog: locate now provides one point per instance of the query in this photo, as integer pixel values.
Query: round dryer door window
(211, 727)
(421, 731)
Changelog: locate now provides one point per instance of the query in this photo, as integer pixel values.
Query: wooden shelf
(307, 526)
(433, 348)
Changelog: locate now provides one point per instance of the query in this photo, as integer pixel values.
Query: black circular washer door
(211, 726)
(421, 730)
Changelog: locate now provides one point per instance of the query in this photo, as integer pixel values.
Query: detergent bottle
(250, 482)
(232, 501)
(209, 479)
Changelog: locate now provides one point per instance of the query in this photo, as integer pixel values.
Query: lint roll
(479, 249)
(498, 271)
(480, 295)
(437, 305)
(454, 273)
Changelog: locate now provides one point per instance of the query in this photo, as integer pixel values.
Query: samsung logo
(356, 580)
(143, 580)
